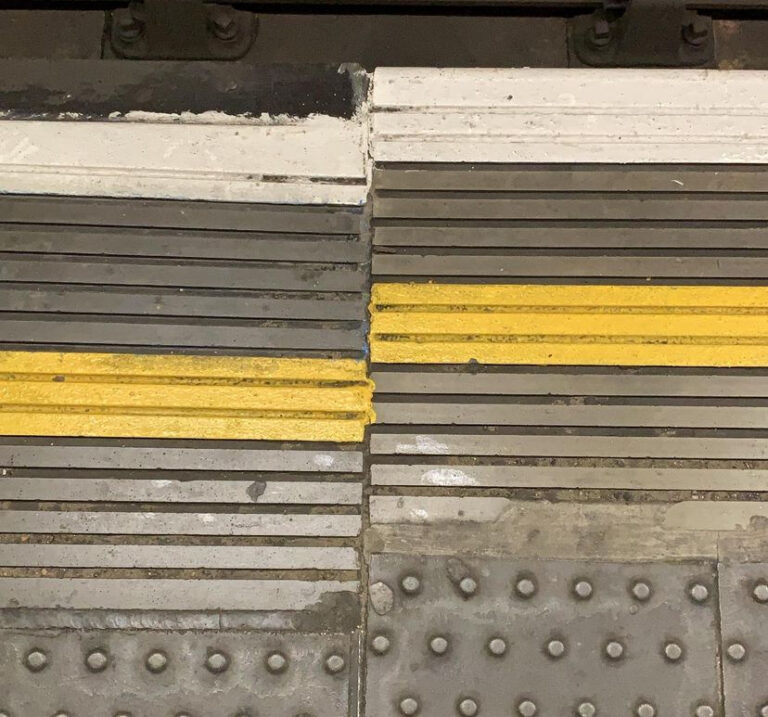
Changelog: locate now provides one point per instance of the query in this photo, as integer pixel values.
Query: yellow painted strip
(207, 397)
(587, 325)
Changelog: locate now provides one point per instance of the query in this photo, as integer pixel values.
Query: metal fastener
(468, 586)
(217, 662)
(699, 593)
(156, 661)
(467, 707)
(409, 706)
(704, 710)
(276, 662)
(525, 587)
(641, 590)
(764, 711)
(555, 648)
(696, 31)
(673, 651)
(96, 660)
(736, 652)
(582, 589)
(36, 660)
(760, 592)
(438, 645)
(223, 23)
(497, 646)
(600, 33)
(527, 708)
(614, 649)
(586, 709)
(380, 644)
(335, 663)
(645, 709)
(410, 584)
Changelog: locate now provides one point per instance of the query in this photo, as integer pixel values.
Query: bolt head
(96, 660)
(641, 590)
(497, 646)
(614, 650)
(438, 645)
(380, 644)
(673, 651)
(217, 662)
(468, 586)
(586, 709)
(696, 31)
(760, 592)
(600, 33)
(409, 706)
(36, 660)
(468, 707)
(410, 585)
(699, 593)
(555, 648)
(582, 589)
(525, 587)
(335, 663)
(156, 661)
(276, 662)
(527, 708)
(645, 709)
(763, 710)
(736, 652)
(704, 711)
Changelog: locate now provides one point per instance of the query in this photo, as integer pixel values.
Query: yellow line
(133, 396)
(588, 325)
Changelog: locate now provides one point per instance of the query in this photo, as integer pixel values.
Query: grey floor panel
(744, 609)
(163, 674)
(526, 637)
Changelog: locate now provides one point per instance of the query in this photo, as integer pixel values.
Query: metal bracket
(647, 33)
(181, 30)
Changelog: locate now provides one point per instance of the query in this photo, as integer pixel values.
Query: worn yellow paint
(132, 396)
(568, 324)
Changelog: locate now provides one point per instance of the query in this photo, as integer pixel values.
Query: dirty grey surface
(204, 673)
(533, 606)
(744, 610)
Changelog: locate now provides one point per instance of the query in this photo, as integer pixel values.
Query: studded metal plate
(154, 674)
(502, 637)
(744, 616)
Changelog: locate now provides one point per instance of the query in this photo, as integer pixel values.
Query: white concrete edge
(410, 115)
(317, 160)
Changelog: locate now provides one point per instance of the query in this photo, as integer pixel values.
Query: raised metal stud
(62, 714)
(614, 649)
(380, 644)
(438, 645)
(704, 711)
(763, 712)
(156, 661)
(699, 592)
(96, 660)
(497, 647)
(525, 587)
(334, 664)
(736, 652)
(36, 660)
(468, 707)
(468, 586)
(123, 714)
(276, 662)
(409, 706)
(760, 591)
(673, 651)
(527, 708)
(217, 662)
(641, 590)
(586, 709)
(645, 709)
(410, 584)
(582, 589)
(555, 648)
